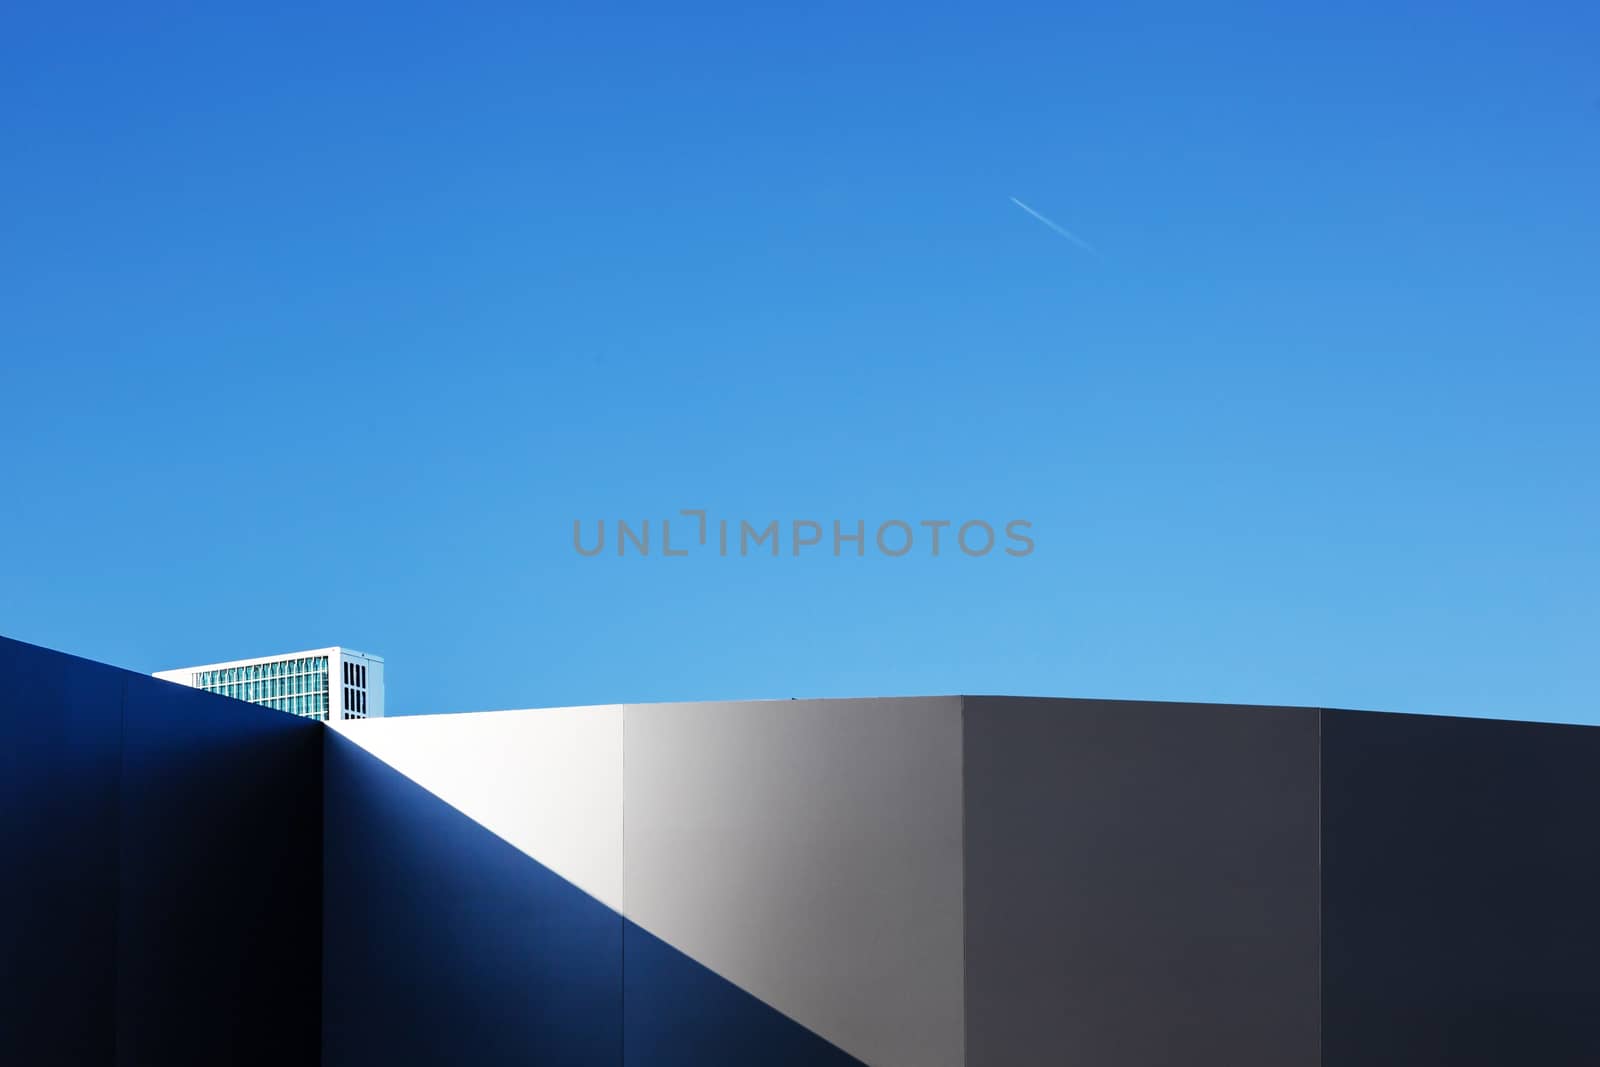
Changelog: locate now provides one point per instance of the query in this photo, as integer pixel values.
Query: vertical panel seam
(961, 780)
(622, 892)
(322, 888)
(117, 876)
(1322, 1022)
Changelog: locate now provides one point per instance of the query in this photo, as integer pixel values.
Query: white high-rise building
(321, 683)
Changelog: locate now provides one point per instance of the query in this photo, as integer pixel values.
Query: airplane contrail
(1062, 230)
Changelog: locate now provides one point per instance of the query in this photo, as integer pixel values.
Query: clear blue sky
(322, 325)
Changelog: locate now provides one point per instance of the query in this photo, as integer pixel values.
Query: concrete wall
(161, 895)
(1141, 884)
(1461, 892)
(189, 879)
(801, 858)
(547, 780)
(60, 767)
(446, 945)
(810, 853)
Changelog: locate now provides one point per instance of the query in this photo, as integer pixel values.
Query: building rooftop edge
(963, 699)
(326, 650)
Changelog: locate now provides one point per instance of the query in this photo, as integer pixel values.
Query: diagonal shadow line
(445, 944)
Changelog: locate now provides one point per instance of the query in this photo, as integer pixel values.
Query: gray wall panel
(809, 852)
(1141, 884)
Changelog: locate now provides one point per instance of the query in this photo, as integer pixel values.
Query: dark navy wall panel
(444, 945)
(1461, 892)
(159, 871)
(219, 904)
(60, 729)
(677, 1013)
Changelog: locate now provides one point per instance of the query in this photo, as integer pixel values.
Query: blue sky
(323, 326)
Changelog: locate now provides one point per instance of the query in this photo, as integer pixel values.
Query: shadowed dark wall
(1141, 884)
(445, 945)
(162, 890)
(1461, 892)
(60, 760)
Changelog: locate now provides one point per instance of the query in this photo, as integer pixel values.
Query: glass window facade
(298, 686)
